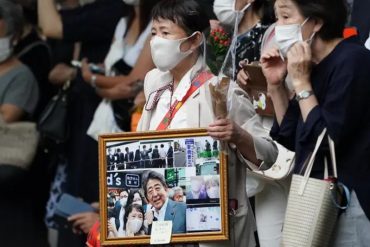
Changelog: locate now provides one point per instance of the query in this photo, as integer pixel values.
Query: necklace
(172, 107)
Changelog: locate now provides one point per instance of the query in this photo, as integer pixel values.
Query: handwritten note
(161, 232)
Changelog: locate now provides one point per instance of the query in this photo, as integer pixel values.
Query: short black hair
(188, 14)
(333, 13)
(162, 145)
(266, 10)
(153, 175)
(129, 210)
(130, 198)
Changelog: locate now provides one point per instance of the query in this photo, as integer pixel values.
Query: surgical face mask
(226, 13)
(123, 202)
(5, 48)
(132, 2)
(196, 185)
(213, 192)
(166, 53)
(287, 35)
(134, 225)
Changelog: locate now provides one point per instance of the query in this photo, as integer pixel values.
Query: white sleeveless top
(120, 50)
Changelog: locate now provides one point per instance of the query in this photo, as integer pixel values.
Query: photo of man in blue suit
(163, 208)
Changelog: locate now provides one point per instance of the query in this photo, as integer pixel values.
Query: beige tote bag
(311, 212)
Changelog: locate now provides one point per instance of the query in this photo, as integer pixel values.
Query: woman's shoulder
(120, 28)
(155, 79)
(20, 72)
(352, 52)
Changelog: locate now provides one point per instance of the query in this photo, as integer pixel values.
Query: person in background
(136, 197)
(169, 156)
(128, 59)
(34, 52)
(145, 159)
(133, 222)
(212, 185)
(254, 19)
(163, 156)
(197, 189)
(177, 194)
(331, 88)
(129, 158)
(120, 209)
(20, 223)
(155, 157)
(93, 26)
(249, 19)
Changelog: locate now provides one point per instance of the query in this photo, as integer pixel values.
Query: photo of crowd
(179, 152)
(180, 190)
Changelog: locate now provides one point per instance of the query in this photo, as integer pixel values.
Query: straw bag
(312, 208)
(18, 143)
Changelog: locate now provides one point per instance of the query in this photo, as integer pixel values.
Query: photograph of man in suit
(145, 159)
(170, 156)
(129, 158)
(163, 208)
(155, 157)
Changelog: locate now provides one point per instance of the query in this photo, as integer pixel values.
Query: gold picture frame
(196, 167)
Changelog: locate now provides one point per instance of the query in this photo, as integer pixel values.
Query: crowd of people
(157, 157)
(141, 65)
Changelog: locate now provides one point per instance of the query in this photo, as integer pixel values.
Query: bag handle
(312, 160)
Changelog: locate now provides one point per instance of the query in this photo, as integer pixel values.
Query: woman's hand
(299, 65)
(62, 73)
(149, 216)
(242, 77)
(85, 70)
(273, 67)
(225, 130)
(83, 221)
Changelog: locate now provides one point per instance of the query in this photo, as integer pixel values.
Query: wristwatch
(304, 94)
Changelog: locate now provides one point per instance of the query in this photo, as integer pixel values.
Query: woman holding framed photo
(177, 97)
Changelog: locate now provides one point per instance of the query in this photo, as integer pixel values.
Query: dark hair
(188, 14)
(129, 210)
(12, 16)
(333, 13)
(124, 189)
(162, 145)
(153, 175)
(266, 10)
(130, 198)
(146, 7)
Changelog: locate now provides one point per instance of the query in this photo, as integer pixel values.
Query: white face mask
(226, 13)
(166, 53)
(132, 2)
(134, 225)
(5, 48)
(213, 192)
(123, 202)
(287, 35)
(196, 185)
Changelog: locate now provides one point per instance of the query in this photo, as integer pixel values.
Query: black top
(35, 53)
(341, 84)
(93, 25)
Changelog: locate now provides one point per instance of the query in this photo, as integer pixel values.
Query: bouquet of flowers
(218, 44)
